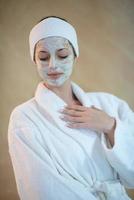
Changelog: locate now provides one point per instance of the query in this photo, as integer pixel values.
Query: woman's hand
(78, 116)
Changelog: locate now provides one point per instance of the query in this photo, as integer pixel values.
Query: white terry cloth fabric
(54, 162)
(52, 27)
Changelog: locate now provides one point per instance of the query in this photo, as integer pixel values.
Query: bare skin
(65, 92)
(75, 114)
(79, 116)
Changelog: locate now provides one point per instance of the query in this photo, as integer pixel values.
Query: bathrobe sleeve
(120, 156)
(35, 173)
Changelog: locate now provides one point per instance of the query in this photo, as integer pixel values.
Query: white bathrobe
(54, 162)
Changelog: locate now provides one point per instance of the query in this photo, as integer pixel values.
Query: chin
(57, 83)
(54, 84)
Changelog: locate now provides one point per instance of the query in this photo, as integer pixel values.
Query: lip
(55, 75)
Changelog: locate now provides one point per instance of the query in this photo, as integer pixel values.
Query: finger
(72, 112)
(76, 107)
(73, 119)
(77, 125)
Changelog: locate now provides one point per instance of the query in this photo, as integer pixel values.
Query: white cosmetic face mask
(53, 60)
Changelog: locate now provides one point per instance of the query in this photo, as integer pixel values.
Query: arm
(120, 134)
(120, 155)
(110, 133)
(35, 173)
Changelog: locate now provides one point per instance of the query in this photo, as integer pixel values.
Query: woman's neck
(65, 92)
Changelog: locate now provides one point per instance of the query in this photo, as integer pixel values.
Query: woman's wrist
(112, 126)
(110, 132)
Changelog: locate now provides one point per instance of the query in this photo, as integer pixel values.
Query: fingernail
(61, 110)
(61, 117)
(69, 124)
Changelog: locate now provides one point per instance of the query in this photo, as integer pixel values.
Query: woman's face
(54, 58)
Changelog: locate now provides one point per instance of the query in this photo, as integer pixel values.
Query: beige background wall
(106, 63)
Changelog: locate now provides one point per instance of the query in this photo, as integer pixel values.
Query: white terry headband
(52, 27)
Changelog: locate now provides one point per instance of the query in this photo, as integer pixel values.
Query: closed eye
(63, 57)
(44, 59)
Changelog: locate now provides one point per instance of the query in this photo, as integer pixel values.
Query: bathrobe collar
(48, 99)
(49, 104)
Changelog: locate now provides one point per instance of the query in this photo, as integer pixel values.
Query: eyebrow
(58, 50)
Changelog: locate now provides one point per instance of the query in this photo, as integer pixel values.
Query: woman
(65, 143)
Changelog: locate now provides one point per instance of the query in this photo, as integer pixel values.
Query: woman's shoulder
(22, 110)
(103, 96)
(107, 101)
(23, 106)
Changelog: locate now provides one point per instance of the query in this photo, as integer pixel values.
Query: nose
(52, 62)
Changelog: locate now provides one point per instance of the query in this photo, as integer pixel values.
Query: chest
(76, 153)
(79, 155)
